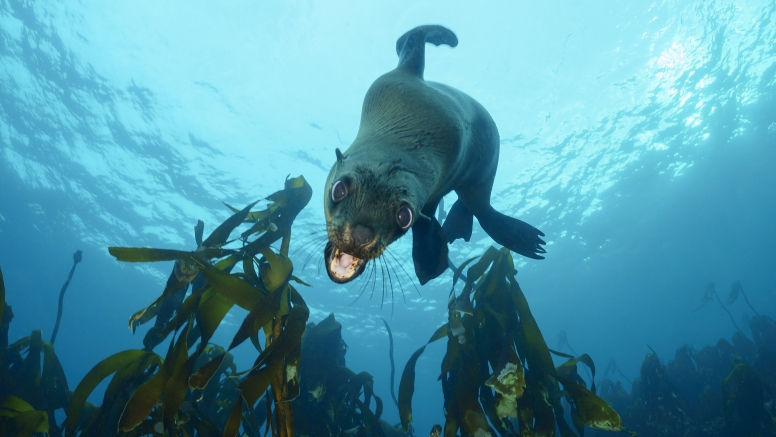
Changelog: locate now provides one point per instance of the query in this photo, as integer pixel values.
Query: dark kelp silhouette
(29, 393)
(490, 326)
(724, 390)
(334, 400)
(710, 293)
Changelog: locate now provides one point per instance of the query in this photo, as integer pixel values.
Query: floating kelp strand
(77, 258)
(390, 357)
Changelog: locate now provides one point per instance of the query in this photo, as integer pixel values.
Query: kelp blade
(407, 382)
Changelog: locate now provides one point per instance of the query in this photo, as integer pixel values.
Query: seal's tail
(411, 47)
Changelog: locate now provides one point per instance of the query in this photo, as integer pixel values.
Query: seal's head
(368, 205)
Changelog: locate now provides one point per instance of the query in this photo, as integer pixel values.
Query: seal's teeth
(343, 265)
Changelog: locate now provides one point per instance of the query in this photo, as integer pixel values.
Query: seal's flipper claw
(411, 47)
(516, 235)
(458, 223)
(429, 250)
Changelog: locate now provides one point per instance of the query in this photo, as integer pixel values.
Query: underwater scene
(404, 218)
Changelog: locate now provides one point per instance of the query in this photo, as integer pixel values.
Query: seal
(417, 141)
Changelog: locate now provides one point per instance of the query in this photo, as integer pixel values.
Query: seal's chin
(340, 266)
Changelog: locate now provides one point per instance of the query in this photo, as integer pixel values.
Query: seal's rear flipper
(429, 249)
(516, 235)
(411, 47)
(458, 223)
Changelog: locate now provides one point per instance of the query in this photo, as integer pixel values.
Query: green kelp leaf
(255, 384)
(145, 254)
(594, 411)
(202, 376)
(145, 397)
(54, 382)
(2, 299)
(235, 417)
(260, 315)
(219, 236)
(122, 384)
(27, 379)
(568, 369)
(298, 193)
(98, 373)
(182, 274)
(371, 420)
(292, 360)
(407, 382)
(255, 216)
(210, 314)
(230, 286)
(177, 384)
(299, 281)
(286, 341)
(276, 271)
(26, 419)
(508, 381)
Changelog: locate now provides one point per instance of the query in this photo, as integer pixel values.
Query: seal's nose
(361, 235)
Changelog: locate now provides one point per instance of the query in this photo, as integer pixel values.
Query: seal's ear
(340, 157)
(429, 249)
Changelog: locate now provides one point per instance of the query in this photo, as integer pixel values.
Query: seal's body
(417, 141)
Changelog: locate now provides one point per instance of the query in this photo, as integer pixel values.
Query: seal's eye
(404, 217)
(338, 191)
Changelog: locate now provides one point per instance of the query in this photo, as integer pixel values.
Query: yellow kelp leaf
(277, 271)
(98, 373)
(232, 426)
(210, 314)
(146, 254)
(255, 384)
(508, 381)
(594, 411)
(267, 308)
(177, 384)
(145, 397)
(200, 378)
(219, 236)
(407, 382)
(230, 286)
(26, 419)
(287, 341)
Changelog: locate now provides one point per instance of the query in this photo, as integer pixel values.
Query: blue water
(639, 136)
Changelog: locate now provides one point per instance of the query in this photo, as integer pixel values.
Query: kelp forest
(498, 375)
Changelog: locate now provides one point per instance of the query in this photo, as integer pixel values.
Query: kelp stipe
(490, 326)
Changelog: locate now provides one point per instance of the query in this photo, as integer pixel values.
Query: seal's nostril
(361, 235)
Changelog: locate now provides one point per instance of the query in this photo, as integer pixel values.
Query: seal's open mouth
(340, 266)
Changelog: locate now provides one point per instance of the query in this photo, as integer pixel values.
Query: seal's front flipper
(458, 223)
(429, 249)
(516, 235)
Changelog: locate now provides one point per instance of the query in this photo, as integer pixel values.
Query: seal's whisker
(312, 241)
(390, 281)
(398, 280)
(412, 281)
(365, 282)
(374, 279)
(382, 268)
(318, 247)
